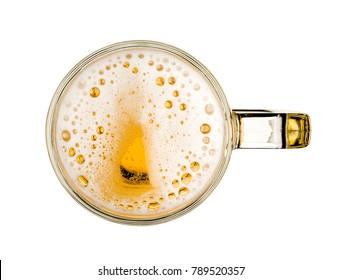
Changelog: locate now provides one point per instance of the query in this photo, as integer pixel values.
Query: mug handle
(266, 129)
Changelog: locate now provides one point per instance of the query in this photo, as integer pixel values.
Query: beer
(139, 133)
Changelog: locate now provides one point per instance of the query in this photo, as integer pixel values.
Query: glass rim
(52, 149)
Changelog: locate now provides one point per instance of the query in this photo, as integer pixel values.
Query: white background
(277, 212)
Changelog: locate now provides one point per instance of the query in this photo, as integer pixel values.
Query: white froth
(172, 137)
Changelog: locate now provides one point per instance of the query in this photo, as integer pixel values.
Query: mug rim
(51, 143)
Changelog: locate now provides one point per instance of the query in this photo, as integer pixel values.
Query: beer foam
(140, 132)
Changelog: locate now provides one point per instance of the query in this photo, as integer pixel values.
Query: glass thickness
(238, 129)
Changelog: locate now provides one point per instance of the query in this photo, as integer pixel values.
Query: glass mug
(140, 132)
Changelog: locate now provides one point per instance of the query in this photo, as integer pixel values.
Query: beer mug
(140, 132)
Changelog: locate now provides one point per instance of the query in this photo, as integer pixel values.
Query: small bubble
(205, 128)
(212, 152)
(84, 182)
(101, 72)
(102, 82)
(93, 146)
(168, 104)
(81, 84)
(175, 183)
(66, 135)
(195, 166)
(175, 93)
(185, 74)
(108, 67)
(171, 80)
(120, 206)
(126, 64)
(160, 81)
(159, 67)
(151, 121)
(80, 159)
(93, 137)
(150, 63)
(209, 109)
(182, 106)
(186, 178)
(183, 191)
(196, 86)
(100, 130)
(66, 118)
(152, 206)
(129, 56)
(94, 92)
(206, 140)
(171, 195)
(165, 60)
(141, 56)
(206, 167)
(130, 207)
(183, 168)
(72, 152)
(134, 70)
